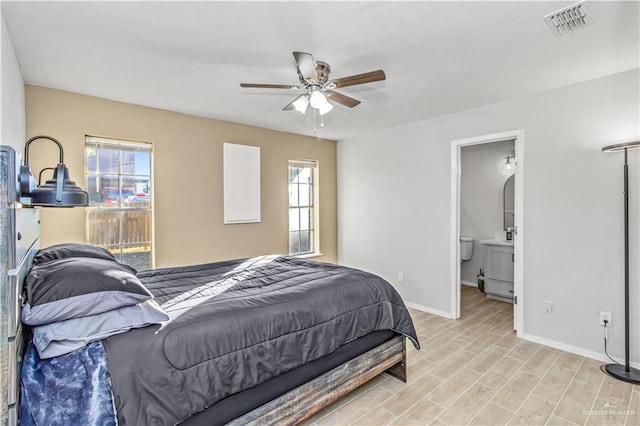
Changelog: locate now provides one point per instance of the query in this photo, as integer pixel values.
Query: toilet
(466, 248)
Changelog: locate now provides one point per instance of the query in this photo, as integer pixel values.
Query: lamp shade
(325, 108)
(57, 192)
(317, 99)
(301, 104)
(621, 146)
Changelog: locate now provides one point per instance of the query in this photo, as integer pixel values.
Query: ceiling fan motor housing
(322, 74)
(322, 71)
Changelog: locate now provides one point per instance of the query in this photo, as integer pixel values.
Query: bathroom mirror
(509, 201)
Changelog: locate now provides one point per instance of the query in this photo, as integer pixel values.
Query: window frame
(96, 142)
(314, 206)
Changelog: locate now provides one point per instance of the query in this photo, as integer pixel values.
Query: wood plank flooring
(475, 371)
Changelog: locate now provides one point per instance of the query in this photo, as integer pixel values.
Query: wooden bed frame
(19, 244)
(306, 400)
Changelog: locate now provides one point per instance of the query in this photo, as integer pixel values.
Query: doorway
(517, 164)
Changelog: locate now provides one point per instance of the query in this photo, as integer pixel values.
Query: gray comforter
(235, 324)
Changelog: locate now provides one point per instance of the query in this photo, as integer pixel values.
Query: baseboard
(532, 338)
(469, 283)
(429, 310)
(572, 349)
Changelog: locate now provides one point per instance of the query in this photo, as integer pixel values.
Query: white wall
(482, 178)
(12, 108)
(394, 202)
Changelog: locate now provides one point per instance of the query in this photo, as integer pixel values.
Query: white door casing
(518, 237)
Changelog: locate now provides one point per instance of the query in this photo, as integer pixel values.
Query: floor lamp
(624, 372)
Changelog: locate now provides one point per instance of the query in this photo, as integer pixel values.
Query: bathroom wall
(482, 178)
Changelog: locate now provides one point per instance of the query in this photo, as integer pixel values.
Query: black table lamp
(625, 372)
(57, 192)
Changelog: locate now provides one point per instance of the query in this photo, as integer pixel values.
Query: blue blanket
(72, 389)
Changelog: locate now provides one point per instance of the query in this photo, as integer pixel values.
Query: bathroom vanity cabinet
(498, 269)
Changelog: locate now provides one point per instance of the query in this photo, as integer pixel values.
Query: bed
(268, 340)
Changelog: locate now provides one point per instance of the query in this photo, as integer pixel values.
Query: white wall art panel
(241, 183)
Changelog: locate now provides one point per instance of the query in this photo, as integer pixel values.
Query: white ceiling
(439, 57)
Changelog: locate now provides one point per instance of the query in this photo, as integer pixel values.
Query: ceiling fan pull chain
(314, 121)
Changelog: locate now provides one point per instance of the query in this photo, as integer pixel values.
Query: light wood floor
(475, 371)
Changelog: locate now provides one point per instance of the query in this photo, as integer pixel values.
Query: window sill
(307, 255)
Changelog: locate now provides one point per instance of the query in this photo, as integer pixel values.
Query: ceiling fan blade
(341, 99)
(367, 77)
(269, 86)
(306, 65)
(290, 106)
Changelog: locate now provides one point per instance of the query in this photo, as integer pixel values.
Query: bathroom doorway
(486, 204)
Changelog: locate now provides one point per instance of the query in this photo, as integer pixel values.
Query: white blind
(303, 163)
(98, 142)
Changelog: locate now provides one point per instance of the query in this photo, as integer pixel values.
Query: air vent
(571, 18)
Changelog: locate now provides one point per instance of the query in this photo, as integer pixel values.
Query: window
(119, 182)
(303, 213)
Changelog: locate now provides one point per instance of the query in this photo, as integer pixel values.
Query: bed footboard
(306, 400)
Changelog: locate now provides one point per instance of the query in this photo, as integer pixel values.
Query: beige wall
(188, 205)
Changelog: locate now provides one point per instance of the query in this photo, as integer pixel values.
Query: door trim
(456, 147)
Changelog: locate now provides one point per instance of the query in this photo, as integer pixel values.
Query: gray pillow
(63, 337)
(66, 250)
(79, 286)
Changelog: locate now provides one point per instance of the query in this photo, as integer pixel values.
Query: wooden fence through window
(104, 230)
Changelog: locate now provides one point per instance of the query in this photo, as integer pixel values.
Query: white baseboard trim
(532, 338)
(469, 283)
(573, 349)
(429, 310)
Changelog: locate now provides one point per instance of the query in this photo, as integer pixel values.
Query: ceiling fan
(318, 88)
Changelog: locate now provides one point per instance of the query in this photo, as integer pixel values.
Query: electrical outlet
(605, 316)
(547, 307)
(400, 277)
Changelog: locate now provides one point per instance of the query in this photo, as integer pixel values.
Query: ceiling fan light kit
(325, 107)
(314, 76)
(317, 99)
(301, 103)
